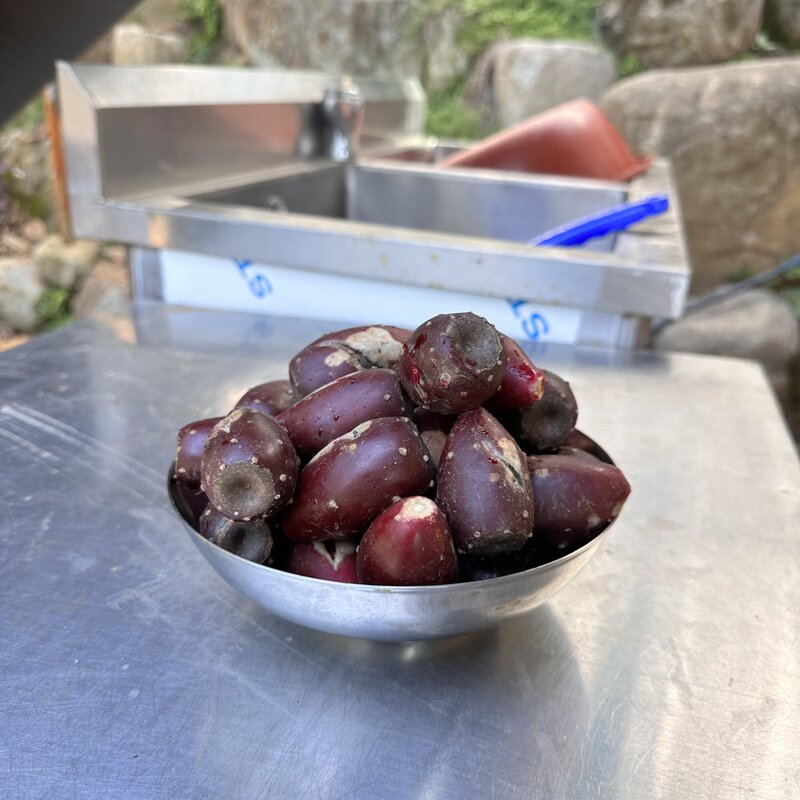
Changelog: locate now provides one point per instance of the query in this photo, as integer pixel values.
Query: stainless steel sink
(475, 203)
(226, 164)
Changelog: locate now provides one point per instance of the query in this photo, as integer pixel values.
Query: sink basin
(217, 165)
(512, 208)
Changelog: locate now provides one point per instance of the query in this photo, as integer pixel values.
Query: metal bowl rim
(461, 586)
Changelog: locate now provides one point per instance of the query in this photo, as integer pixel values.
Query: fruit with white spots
(271, 397)
(408, 544)
(249, 465)
(574, 498)
(452, 363)
(337, 407)
(344, 352)
(191, 441)
(329, 561)
(355, 477)
(368, 506)
(484, 487)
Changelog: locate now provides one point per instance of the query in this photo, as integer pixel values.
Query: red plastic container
(574, 139)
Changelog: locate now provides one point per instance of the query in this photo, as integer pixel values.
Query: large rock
(64, 265)
(34, 230)
(159, 15)
(123, 44)
(674, 33)
(133, 44)
(757, 324)
(782, 21)
(99, 51)
(516, 79)
(733, 134)
(13, 244)
(361, 37)
(20, 290)
(445, 59)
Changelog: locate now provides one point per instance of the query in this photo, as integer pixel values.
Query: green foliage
(449, 116)
(792, 295)
(53, 308)
(206, 19)
(764, 43)
(788, 287)
(629, 64)
(486, 21)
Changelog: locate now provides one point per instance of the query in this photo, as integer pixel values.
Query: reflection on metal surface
(474, 203)
(344, 112)
(157, 130)
(122, 327)
(158, 231)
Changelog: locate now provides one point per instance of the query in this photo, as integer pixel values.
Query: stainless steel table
(668, 669)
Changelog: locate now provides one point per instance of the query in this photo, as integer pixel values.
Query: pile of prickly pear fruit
(401, 458)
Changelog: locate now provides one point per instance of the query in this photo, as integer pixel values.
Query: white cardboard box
(212, 282)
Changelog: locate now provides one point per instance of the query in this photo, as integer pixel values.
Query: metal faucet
(343, 110)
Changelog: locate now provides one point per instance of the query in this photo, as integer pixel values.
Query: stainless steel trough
(329, 178)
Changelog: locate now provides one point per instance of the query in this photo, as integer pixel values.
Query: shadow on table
(502, 711)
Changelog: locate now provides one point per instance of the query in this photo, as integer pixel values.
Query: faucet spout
(343, 107)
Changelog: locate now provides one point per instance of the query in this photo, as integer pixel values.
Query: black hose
(719, 295)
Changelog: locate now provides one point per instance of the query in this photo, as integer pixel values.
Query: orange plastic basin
(574, 139)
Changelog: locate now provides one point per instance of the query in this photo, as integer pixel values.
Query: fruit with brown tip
(545, 424)
(251, 540)
(249, 465)
(452, 363)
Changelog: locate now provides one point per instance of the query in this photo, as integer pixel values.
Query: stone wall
(362, 37)
(666, 33)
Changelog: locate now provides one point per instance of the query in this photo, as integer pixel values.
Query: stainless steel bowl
(390, 613)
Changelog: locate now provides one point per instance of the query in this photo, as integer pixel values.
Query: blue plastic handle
(616, 218)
